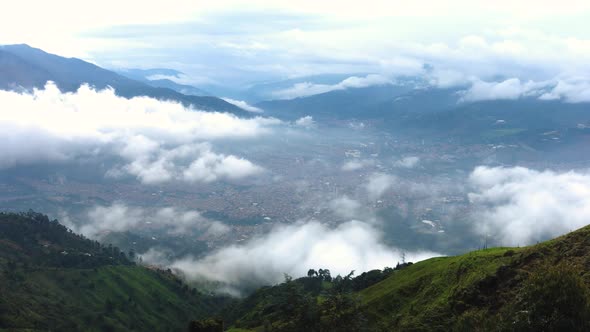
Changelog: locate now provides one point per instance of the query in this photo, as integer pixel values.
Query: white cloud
(447, 78)
(305, 89)
(244, 105)
(480, 90)
(356, 164)
(345, 207)
(378, 184)
(120, 217)
(568, 90)
(408, 162)
(519, 206)
(293, 249)
(100, 114)
(189, 162)
(576, 91)
(305, 122)
(209, 167)
(156, 140)
(355, 82)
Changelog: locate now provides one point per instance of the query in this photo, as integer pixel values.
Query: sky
(239, 43)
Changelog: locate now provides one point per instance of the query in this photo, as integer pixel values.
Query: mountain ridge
(25, 67)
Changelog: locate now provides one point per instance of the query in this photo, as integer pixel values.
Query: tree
(131, 255)
(206, 325)
(341, 312)
(109, 306)
(311, 273)
(297, 309)
(327, 276)
(324, 274)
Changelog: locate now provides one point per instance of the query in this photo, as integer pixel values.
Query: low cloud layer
(345, 207)
(188, 163)
(305, 89)
(357, 164)
(378, 184)
(569, 91)
(293, 249)
(519, 206)
(305, 122)
(244, 105)
(577, 91)
(408, 162)
(120, 217)
(154, 141)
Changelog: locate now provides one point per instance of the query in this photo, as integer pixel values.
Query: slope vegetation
(53, 279)
(539, 288)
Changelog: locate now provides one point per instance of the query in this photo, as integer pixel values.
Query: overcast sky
(235, 42)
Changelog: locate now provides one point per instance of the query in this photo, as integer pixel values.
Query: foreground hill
(53, 279)
(539, 288)
(22, 66)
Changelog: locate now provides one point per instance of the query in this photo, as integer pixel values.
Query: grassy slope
(425, 295)
(478, 291)
(437, 293)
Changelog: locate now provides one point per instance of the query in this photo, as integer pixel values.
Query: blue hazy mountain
(25, 67)
(437, 112)
(162, 78)
(261, 91)
(371, 102)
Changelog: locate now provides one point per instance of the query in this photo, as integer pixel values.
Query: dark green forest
(52, 279)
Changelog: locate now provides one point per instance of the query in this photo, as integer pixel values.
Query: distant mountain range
(25, 67)
(262, 91)
(437, 112)
(408, 105)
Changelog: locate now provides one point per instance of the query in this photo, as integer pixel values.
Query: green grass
(424, 292)
(437, 293)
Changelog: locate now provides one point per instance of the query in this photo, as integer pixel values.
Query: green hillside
(52, 279)
(542, 287)
(538, 288)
